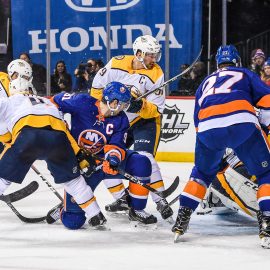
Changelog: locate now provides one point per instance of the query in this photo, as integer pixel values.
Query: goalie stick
(172, 79)
(163, 194)
(18, 195)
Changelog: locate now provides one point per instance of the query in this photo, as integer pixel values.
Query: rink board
(178, 132)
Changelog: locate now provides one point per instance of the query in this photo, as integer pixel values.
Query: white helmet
(21, 86)
(20, 66)
(146, 44)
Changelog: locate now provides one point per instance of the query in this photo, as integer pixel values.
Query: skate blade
(176, 237)
(118, 214)
(170, 220)
(100, 228)
(265, 242)
(139, 225)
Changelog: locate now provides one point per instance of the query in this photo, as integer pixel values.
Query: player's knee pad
(73, 220)
(139, 165)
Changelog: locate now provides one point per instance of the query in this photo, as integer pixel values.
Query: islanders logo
(92, 140)
(100, 6)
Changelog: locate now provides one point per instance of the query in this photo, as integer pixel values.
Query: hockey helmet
(147, 45)
(227, 54)
(119, 92)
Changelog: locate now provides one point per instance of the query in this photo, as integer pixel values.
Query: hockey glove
(85, 160)
(110, 165)
(135, 106)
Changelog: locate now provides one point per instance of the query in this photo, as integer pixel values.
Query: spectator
(85, 74)
(183, 83)
(60, 80)
(39, 74)
(99, 64)
(257, 61)
(266, 72)
(188, 84)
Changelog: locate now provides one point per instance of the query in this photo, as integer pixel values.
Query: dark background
(245, 19)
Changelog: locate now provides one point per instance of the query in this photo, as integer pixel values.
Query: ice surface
(212, 242)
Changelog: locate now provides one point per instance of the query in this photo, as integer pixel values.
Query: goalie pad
(236, 192)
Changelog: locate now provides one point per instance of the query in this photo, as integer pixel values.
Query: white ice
(212, 242)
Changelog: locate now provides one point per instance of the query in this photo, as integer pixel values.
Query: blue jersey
(228, 97)
(89, 127)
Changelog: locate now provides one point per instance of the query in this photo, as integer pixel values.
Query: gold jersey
(19, 111)
(4, 85)
(143, 80)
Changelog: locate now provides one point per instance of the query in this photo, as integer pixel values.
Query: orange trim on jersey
(110, 147)
(52, 101)
(229, 107)
(137, 189)
(263, 191)
(117, 188)
(157, 184)
(87, 203)
(195, 189)
(264, 101)
(221, 178)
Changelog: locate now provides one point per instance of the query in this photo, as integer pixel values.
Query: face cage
(121, 106)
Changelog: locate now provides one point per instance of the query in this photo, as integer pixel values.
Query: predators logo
(92, 140)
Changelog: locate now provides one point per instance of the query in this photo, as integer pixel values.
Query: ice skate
(182, 221)
(142, 219)
(119, 206)
(98, 222)
(165, 210)
(264, 229)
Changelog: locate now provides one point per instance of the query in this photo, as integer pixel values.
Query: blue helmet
(227, 54)
(116, 91)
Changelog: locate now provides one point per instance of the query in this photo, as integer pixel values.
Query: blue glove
(110, 165)
(114, 161)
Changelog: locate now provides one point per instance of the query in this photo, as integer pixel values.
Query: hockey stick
(174, 200)
(47, 183)
(163, 194)
(20, 194)
(172, 79)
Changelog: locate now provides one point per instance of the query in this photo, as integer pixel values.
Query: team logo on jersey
(92, 140)
(172, 123)
(100, 6)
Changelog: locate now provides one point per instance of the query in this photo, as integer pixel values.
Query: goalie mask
(147, 45)
(20, 75)
(21, 86)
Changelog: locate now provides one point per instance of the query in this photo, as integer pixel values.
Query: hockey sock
(83, 196)
(4, 184)
(115, 186)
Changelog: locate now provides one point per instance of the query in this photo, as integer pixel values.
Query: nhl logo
(172, 123)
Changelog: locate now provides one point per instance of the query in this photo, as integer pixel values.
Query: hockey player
(224, 117)
(34, 129)
(141, 73)
(101, 127)
(4, 92)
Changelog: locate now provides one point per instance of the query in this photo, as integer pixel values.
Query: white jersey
(20, 110)
(143, 80)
